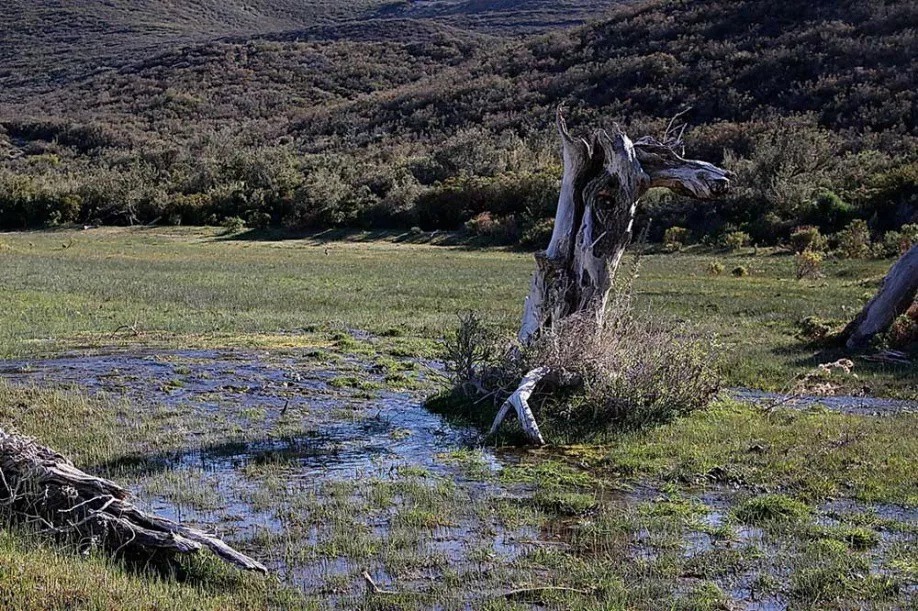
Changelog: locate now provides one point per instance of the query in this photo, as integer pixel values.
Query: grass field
(182, 287)
(735, 505)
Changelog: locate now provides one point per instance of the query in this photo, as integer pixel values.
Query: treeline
(812, 105)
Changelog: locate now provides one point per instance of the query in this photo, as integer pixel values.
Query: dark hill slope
(255, 84)
(854, 64)
(503, 16)
(403, 121)
(50, 43)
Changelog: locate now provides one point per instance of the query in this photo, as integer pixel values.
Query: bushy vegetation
(630, 373)
(331, 126)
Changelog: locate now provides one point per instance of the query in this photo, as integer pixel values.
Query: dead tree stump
(896, 294)
(604, 178)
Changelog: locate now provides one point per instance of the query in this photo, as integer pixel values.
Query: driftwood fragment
(519, 401)
(43, 488)
(373, 588)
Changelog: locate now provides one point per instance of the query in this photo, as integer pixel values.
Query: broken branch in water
(40, 485)
(372, 588)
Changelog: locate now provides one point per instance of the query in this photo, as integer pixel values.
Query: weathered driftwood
(604, 178)
(519, 401)
(42, 487)
(895, 296)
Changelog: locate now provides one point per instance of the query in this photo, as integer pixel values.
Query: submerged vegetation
(730, 503)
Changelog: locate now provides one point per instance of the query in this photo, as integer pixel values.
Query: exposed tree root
(40, 486)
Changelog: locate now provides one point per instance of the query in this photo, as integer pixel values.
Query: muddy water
(303, 428)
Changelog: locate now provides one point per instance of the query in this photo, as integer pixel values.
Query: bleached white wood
(895, 295)
(519, 401)
(604, 178)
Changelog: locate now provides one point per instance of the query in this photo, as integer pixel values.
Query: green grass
(675, 517)
(39, 576)
(66, 289)
(624, 514)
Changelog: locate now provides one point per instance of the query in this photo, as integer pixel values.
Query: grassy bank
(182, 286)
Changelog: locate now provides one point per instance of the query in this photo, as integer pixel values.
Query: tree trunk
(604, 178)
(896, 294)
(41, 487)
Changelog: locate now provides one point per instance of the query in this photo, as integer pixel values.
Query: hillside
(401, 121)
(49, 43)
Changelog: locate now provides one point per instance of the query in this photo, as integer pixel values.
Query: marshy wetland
(272, 390)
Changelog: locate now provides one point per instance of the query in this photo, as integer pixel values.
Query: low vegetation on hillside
(442, 128)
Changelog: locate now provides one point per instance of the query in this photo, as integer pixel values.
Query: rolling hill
(400, 108)
(50, 43)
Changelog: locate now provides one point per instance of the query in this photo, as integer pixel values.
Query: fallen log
(38, 486)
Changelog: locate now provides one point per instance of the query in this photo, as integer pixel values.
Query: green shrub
(736, 240)
(258, 220)
(830, 212)
(450, 203)
(808, 264)
(675, 238)
(897, 243)
(497, 229)
(740, 271)
(854, 240)
(715, 268)
(538, 234)
(808, 238)
(233, 224)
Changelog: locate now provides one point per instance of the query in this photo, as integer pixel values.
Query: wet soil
(313, 463)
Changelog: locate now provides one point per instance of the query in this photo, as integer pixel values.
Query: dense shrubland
(811, 106)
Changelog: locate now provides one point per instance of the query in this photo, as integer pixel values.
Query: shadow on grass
(811, 354)
(226, 455)
(452, 239)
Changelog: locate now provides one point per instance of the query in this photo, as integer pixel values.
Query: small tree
(854, 240)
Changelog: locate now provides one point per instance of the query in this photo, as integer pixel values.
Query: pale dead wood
(896, 294)
(372, 588)
(519, 401)
(604, 177)
(43, 487)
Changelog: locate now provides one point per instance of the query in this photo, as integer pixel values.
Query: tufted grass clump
(771, 508)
